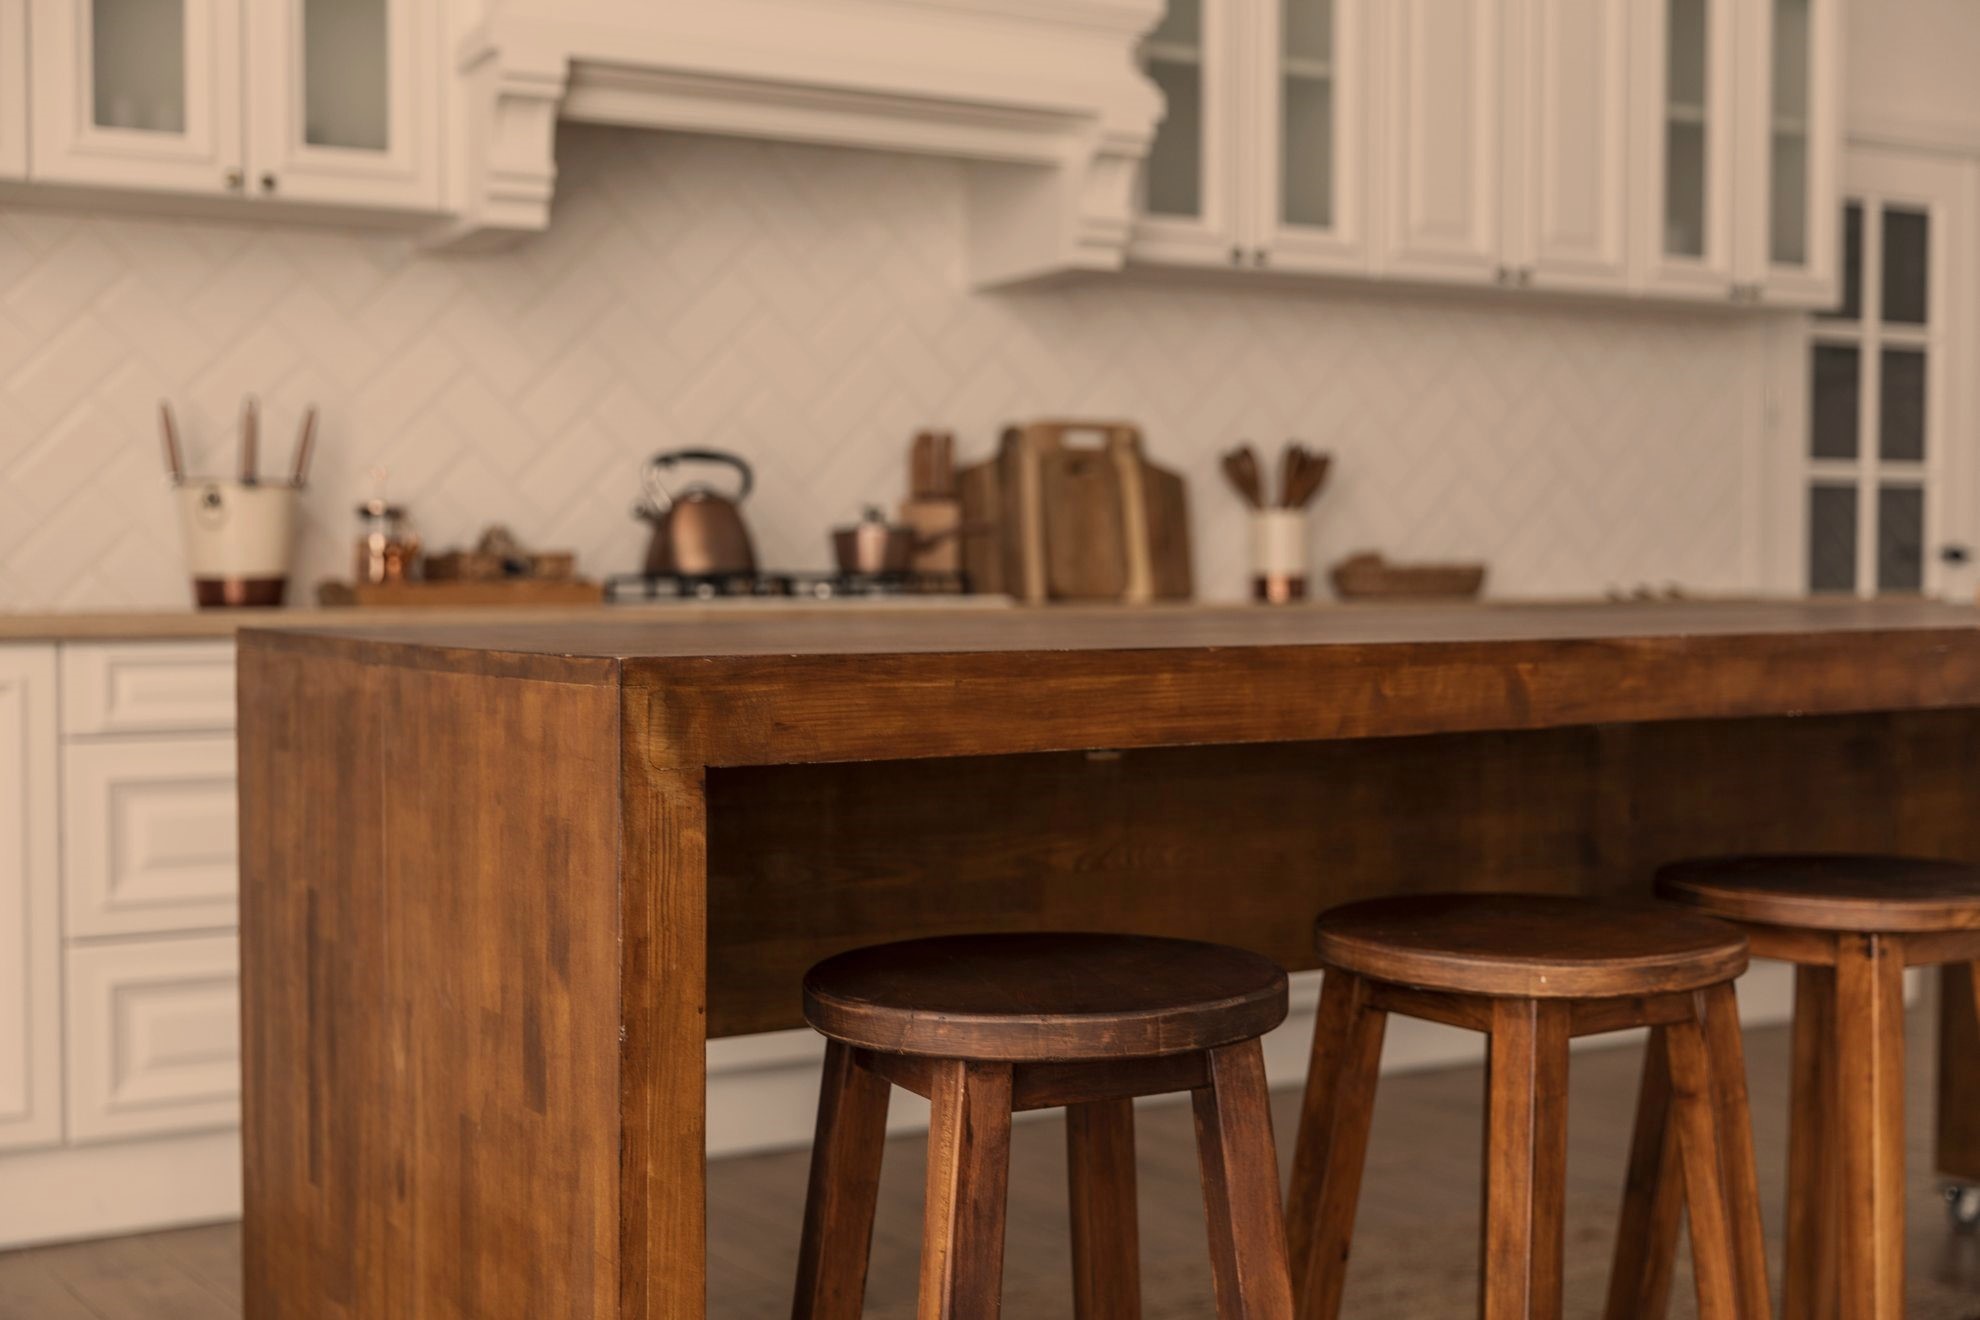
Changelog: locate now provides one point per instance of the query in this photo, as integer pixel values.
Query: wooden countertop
(176, 625)
(831, 685)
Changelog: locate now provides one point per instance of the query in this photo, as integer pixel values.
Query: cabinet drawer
(154, 1037)
(150, 836)
(160, 687)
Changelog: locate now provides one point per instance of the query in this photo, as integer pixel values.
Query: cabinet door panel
(1443, 109)
(1189, 192)
(147, 687)
(154, 1037)
(13, 89)
(151, 839)
(139, 94)
(1574, 83)
(346, 97)
(30, 929)
(1791, 144)
(1309, 124)
(1687, 54)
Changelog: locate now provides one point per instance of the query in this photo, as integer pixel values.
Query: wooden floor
(1415, 1247)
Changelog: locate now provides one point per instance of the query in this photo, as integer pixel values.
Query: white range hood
(1043, 97)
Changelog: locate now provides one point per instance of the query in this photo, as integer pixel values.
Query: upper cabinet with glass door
(13, 89)
(1687, 55)
(328, 101)
(1790, 139)
(141, 94)
(1189, 186)
(1305, 169)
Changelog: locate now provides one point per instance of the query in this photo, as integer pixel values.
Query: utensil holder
(239, 538)
(1279, 561)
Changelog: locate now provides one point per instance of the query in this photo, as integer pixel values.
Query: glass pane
(138, 64)
(1309, 29)
(347, 97)
(1686, 36)
(1832, 538)
(1900, 538)
(1832, 407)
(1175, 161)
(1684, 190)
(1308, 164)
(1901, 406)
(1907, 262)
(1788, 200)
(1791, 53)
(1851, 306)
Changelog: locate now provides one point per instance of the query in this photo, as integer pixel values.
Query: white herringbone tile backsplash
(807, 307)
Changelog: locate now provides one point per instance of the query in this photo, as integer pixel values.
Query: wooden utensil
(175, 465)
(250, 439)
(1305, 475)
(300, 473)
(1241, 469)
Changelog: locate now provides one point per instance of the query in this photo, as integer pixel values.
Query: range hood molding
(1043, 98)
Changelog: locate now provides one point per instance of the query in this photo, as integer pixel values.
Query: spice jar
(387, 546)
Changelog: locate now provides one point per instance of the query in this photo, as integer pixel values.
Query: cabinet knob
(1503, 275)
(1525, 276)
(1237, 256)
(268, 183)
(234, 180)
(1260, 257)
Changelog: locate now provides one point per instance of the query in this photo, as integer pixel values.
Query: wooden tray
(1371, 577)
(507, 591)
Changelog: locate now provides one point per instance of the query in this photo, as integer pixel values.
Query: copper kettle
(697, 531)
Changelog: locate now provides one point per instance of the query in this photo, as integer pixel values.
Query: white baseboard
(117, 1187)
(763, 1090)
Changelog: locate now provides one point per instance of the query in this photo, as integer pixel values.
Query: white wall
(1911, 63)
(806, 306)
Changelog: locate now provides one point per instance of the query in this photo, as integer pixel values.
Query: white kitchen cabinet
(1444, 114)
(1790, 152)
(344, 101)
(147, 687)
(1568, 190)
(322, 101)
(30, 926)
(154, 1037)
(150, 837)
(1190, 182)
(1687, 132)
(140, 94)
(13, 89)
(1306, 171)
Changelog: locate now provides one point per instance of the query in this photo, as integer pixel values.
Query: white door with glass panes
(1790, 152)
(1306, 163)
(1887, 454)
(142, 94)
(344, 101)
(1189, 183)
(1443, 111)
(1686, 57)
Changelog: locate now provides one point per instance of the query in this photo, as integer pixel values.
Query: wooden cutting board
(1077, 522)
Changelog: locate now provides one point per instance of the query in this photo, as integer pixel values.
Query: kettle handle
(663, 499)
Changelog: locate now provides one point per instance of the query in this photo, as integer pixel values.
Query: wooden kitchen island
(500, 883)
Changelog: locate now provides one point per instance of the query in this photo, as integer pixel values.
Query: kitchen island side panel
(431, 990)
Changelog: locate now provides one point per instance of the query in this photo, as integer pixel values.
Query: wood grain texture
(1332, 1144)
(431, 1040)
(1732, 1121)
(969, 1148)
(1869, 1048)
(1808, 1284)
(1699, 1140)
(1959, 1047)
(1645, 1258)
(1106, 1238)
(1525, 1159)
(844, 1187)
(1241, 1187)
(1830, 891)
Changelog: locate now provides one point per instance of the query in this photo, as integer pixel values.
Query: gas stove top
(640, 588)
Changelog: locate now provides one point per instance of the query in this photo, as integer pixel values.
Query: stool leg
(1332, 1145)
(1692, 1111)
(969, 1163)
(1809, 1284)
(845, 1185)
(1653, 1200)
(1525, 1159)
(1733, 1115)
(1106, 1243)
(1870, 1124)
(1241, 1187)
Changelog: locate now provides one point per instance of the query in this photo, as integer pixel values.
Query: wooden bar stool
(1851, 925)
(987, 1025)
(1531, 972)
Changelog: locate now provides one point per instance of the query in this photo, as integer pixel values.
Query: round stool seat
(1034, 997)
(1837, 891)
(1530, 946)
